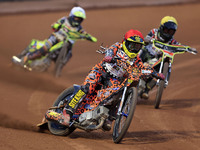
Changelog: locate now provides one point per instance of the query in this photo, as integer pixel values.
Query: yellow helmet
(132, 43)
(167, 29)
(168, 19)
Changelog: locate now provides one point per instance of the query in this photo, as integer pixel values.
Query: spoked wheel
(60, 61)
(56, 128)
(161, 86)
(123, 120)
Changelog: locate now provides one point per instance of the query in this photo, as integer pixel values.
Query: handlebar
(174, 48)
(192, 50)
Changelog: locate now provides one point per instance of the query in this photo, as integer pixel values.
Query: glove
(148, 40)
(107, 59)
(158, 75)
(56, 26)
(91, 38)
(193, 50)
(161, 76)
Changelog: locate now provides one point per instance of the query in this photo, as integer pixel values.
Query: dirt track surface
(25, 96)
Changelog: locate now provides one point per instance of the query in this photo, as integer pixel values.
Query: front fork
(168, 73)
(122, 102)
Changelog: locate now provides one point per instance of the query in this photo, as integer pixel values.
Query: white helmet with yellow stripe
(76, 16)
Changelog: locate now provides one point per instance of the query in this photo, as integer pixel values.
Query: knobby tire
(161, 86)
(131, 97)
(60, 61)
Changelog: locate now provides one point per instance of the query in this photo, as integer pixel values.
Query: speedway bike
(58, 54)
(164, 65)
(92, 118)
(91, 112)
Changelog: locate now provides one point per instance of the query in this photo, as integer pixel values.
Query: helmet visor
(78, 19)
(169, 31)
(133, 47)
(169, 28)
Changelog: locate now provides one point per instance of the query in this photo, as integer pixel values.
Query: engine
(92, 117)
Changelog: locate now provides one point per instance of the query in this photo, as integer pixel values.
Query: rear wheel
(161, 86)
(56, 128)
(123, 120)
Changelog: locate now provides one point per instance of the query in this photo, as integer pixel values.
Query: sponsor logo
(76, 98)
(181, 48)
(159, 45)
(146, 71)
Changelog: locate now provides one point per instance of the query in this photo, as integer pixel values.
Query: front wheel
(56, 128)
(60, 61)
(161, 86)
(123, 120)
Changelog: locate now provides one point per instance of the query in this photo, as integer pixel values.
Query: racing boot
(145, 94)
(107, 125)
(22, 60)
(62, 118)
(36, 54)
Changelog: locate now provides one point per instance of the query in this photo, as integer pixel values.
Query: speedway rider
(71, 24)
(109, 74)
(164, 34)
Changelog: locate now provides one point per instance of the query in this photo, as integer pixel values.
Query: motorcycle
(91, 114)
(164, 65)
(59, 53)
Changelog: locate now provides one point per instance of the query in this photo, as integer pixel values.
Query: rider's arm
(150, 36)
(146, 70)
(87, 36)
(57, 25)
(111, 52)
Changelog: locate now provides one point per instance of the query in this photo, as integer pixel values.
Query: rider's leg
(151, 82)
(149, 85)
(42, 51)
(72, 103)
(88, 87)
(23, 53)
(112, 83)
